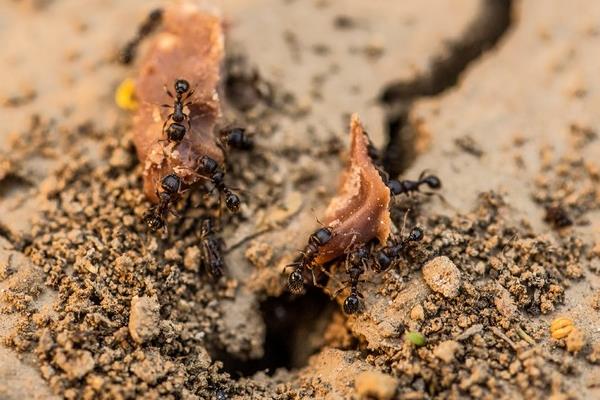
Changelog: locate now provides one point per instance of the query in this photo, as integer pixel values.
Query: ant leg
(167, 91)
(314, 278)
(166, 121)
(189, 122)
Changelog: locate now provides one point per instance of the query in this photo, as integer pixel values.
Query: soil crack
(484, 32)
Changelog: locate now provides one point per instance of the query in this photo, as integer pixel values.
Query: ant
(315, 241)
(356, 265)
(155, 217)
(236, 137)
(407, 186)
(209, 168)
(176, 130)
(386, 256)
(211, 249)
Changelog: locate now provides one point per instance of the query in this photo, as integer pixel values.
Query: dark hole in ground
(295, 327)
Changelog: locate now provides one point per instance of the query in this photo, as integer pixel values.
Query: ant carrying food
(211, 246)
(315, 241)
(407, 186)
(235, 137)
(209, 168)
(387, 255)
(155, 217)
(176, 130)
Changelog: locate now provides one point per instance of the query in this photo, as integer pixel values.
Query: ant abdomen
(176, 132)
(351, 304)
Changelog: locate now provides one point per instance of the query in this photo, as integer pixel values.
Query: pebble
(442, 276)
(144, 318)
(445, 351)
(75, 365)
(374, 384)
(575, 341)
(417, 313)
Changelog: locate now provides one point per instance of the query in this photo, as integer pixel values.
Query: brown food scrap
(189, 46)
(360, 211)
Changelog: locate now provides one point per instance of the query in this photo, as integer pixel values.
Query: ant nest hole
(295, 328)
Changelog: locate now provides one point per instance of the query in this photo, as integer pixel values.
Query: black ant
(356, 265)
(387, 255)
(407, 186)
(155, 217)
(315, 241)
(176, 130)
(153, 19)
(211, 246)
(236, 137)
(210, 168)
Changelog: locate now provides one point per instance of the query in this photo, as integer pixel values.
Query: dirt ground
(498, 98)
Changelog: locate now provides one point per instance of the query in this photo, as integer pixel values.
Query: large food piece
(360, 211)
(190, 47)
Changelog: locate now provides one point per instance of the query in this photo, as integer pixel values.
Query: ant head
(176, 132)
(351, 304)
(296, 281)
(181, 86)
(433, 181)
(234, 133)
(153, 221)
(232, 201)
(362, 252)
(207, 165)
(416, 234)
(171, 183)
(395, 187)
(322, 236)
(383, 260)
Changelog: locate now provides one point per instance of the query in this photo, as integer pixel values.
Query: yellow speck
(125, 95)
(561, 327)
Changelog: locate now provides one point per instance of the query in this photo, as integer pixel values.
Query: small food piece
(373, 384)
(360, 211)
(561, 327)
(125, 95)
(442, 276)
(416, 338)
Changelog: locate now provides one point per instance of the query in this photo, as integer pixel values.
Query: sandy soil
(497, 98)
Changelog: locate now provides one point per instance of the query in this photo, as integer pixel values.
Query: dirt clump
(442, 276)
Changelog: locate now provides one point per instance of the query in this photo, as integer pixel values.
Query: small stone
(575, 341)
(376, 385)
(151, 368)
(191, 259)
(144, 318)
(75, 365)
(417, 313)
(442, 276)
(445, 351)
(594, 356)
(504, 303)
(120, 158)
